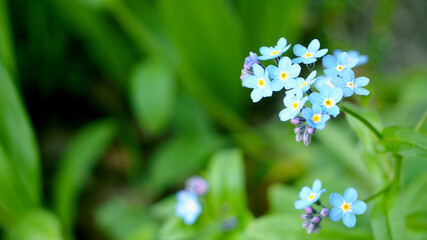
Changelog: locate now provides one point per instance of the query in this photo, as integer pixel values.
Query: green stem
(397, 168)
(379, 193)
(363, 120)
(421, 122)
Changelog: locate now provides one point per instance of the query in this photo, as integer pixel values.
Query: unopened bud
(306, 216)
(296, 120)
(309, 210)
(311, 130)
(324, 212)
(316, 219)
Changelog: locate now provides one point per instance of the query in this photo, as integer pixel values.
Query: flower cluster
(337, 82)
(188, 206)
(342, 207)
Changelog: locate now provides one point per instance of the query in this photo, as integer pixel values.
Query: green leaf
(395, 213)
(365, 135)
(276, 226)
(404, 141)
(180, 157)
(281, 198)
(119, 218)
(379, 224)
(36, 225)
(80, 156)
(17, 137)
(152, 94)
(226, 179)
(7, 55)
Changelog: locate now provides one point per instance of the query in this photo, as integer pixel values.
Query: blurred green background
(107, 106)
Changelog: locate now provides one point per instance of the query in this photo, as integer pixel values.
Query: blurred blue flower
(284, 75)
(315, 117)
(335, 66)
(274, 52)
(346, 207)
(350, 85)
(310, 54)
(188, 207)
(294, 102)
(327, 99)
(260, 83)
(361, 59)
(197, 185)
(323, 80)
(305, 84)
(309, 195)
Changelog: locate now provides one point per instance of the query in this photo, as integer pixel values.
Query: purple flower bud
(298, 137)
(299, 129)
(306, 216)
(305, 224)
(197, 185)
(311, 130)
(296, 120)
(324, 212)
(316, 219)
(307, 137)
(310, 228)
(308, 210)
(251, 60)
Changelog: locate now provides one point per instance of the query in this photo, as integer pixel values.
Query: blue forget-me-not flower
(260, 83)
(310, 54)
(304, 84)
(346, 207)
(274, 52)
(361, 59)
(188, 207)
(335, 66)
(315, 117)
(309, 195)
(294, 102)
(323, 80)
(284, 75)
(350, 85)
(327, 99)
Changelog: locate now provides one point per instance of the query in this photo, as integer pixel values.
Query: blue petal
(266, 57)
(313, 46)
(337, 52)
(339, 82)
(329, 61)
(326, 91)
(256, 94)
(300, 204)
(342, 58)
(361, 91)
(281, 43)
(311, 76)
(320, 53)
(277, 84)
(258, 70)
(334, 111)
(317, 109)
(285, 49)
(264, 50)
(307, 113)
(348, 74)
(266, 91)
(289, 99)
(273, 71)
(317, 185)
(309, 60)
(320, 125)
(290, 83)
(350, 195)
(294, 70)
(362, 59)
(352, 62)
(361, 81)
(347, 92)
(330, 72)
(285, 63)
(337, 95)
(315, 98)
(287, 114)
(349, 219)
(250, 81)
(335, 214)
(299, 50)
(336, 199)
(359, 207)
(305, 192)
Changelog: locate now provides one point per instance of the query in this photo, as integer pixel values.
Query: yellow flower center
(316, 118)
(311, 197)
(328, 102)
(295, 105)
(275, 52)
(350, 84)
(345, 207)
(340, 68)
(284, 75)
(303, 84)
(261, 82)
(307, 55)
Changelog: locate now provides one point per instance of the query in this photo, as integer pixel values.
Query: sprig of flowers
(338, 81)
(188, 206)
(343, 208)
